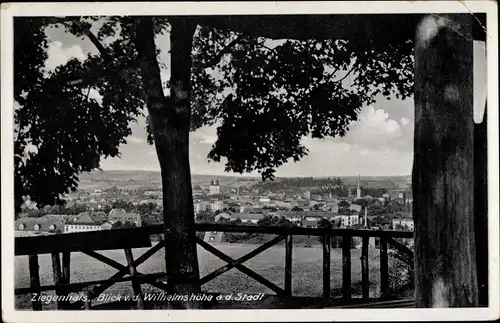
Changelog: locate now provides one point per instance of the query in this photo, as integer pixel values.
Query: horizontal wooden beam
(382, 29)
(377, 303)
(139, 237)
(81, 241)
(301, 230)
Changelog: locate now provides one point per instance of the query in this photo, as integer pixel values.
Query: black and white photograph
(188, 161)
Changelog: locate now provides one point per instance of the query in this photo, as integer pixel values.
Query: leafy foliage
(401, 269)
(205, 217)
(373, 191)
(264, 96)
(267, 99)
(317, 185)
(275, 221)
(57, 113)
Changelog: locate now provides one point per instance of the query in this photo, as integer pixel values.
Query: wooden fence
(90, 243)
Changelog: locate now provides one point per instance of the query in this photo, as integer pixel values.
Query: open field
(307, 273)
(133, 179)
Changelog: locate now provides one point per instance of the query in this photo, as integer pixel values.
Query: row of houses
(212, 205)
(86, 221)
(302, 218)
(308, 219)
(242, 207)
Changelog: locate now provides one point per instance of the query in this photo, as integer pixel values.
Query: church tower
(358, 190)
(214, 187)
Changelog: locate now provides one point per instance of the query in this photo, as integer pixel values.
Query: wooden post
(36, 304)
(133, 273)
(288, 264)
(443, 172)
(57, 277)
(326, 268)
(66, 261)
(346, 267)
(65, 277)
(364, 268)
(88, 299)
(384, 268)
(481, 207)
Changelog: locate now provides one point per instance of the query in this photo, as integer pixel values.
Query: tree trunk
(169, 120)
(481, 206)
(443, 173)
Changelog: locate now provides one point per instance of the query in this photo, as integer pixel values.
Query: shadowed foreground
(305, 285)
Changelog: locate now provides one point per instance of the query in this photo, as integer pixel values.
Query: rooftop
(44, 222)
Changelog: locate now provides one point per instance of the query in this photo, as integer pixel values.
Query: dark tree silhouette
(70, 130)
(129, 224)
(118, 225)
(125, 205)
(278, 95)
(205, 217)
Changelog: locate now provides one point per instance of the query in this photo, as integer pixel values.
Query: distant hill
(389, 182)
(139, 178)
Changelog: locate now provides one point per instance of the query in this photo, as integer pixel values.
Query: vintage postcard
(250, 161)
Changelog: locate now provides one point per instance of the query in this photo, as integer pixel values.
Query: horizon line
(249, 175)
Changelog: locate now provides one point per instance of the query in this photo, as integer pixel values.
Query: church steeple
(214, 188)
(358, 190)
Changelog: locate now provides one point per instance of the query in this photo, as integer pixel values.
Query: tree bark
(481, 206)
(443, 172)
(169, 120)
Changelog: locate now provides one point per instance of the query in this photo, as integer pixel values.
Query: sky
(379, 144)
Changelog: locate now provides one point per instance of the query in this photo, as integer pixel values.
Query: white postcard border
(9, 10)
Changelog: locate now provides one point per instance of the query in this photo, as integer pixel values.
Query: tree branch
(346, 75)
(214, 60)
(87, 96)
(332, 74)
(93, 38)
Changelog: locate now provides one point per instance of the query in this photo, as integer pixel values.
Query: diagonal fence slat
(240, 267)
(402, 248)
(248, 256)
(124, 270)
(104, 259)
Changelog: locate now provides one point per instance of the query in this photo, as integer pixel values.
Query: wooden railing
(91, 242)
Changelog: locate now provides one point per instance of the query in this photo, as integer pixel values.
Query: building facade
(200, 206)
(402, 222)
(217, 205)
(214, 188)
(44, 225)
(121, 215)
(72, 227)
(347, 220)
